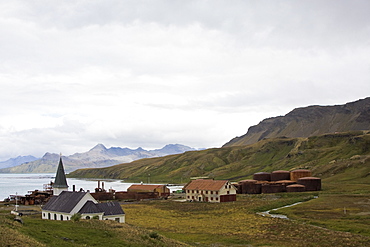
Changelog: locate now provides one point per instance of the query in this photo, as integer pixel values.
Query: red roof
(205, 184)
(148, 187)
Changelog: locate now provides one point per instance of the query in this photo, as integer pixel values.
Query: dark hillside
(330, 155)
(310, 121)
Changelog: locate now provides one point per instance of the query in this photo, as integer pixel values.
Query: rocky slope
(98, 156)
(310, 121)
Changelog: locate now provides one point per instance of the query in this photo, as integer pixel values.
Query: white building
(208, 190)
(68, 203)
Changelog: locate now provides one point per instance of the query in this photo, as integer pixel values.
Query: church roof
(60, 178)
(64, 202)
(89, 208)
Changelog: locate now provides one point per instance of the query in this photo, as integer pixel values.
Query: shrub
(76, 217)
(154, 235)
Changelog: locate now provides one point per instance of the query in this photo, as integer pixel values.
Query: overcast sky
(148, 73)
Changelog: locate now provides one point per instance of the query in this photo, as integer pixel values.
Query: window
(49, 216)
(87, 217)
(61, 217)
(117, 219)
(55, 216)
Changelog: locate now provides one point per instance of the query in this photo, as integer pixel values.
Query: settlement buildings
(208, 190)
(64, 204)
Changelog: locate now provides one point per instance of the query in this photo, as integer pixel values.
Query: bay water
(21, 184)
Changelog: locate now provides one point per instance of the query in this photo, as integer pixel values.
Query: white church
(64, 204)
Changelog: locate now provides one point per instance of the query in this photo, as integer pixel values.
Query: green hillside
(335, 157)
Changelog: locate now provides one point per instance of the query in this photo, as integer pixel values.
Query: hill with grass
(339, 156)
(310, 121)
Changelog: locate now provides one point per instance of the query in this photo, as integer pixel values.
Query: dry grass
(232, 224)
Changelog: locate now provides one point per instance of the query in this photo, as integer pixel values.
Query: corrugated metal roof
(64, 202)
(149, 187)
(205, 184)
(89, 208)
(110, 208)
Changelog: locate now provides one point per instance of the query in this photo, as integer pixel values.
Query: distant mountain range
(98, 156)
(17, 161)
(310, 121)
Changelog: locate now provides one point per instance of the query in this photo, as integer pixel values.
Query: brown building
(162, 190)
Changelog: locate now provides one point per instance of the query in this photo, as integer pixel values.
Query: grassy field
(318, 221)
(236, 223)
(38, 232)
(342, 207)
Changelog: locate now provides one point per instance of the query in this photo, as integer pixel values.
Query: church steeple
(60, 183)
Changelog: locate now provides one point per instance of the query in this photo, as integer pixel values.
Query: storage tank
(311, 183)
(280, 175)
(262, 176)
(272, 188)
(296, 188)
(301, 173)
(285, 183)
(247, 187)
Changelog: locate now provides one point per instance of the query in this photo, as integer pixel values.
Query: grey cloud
(149, 73)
